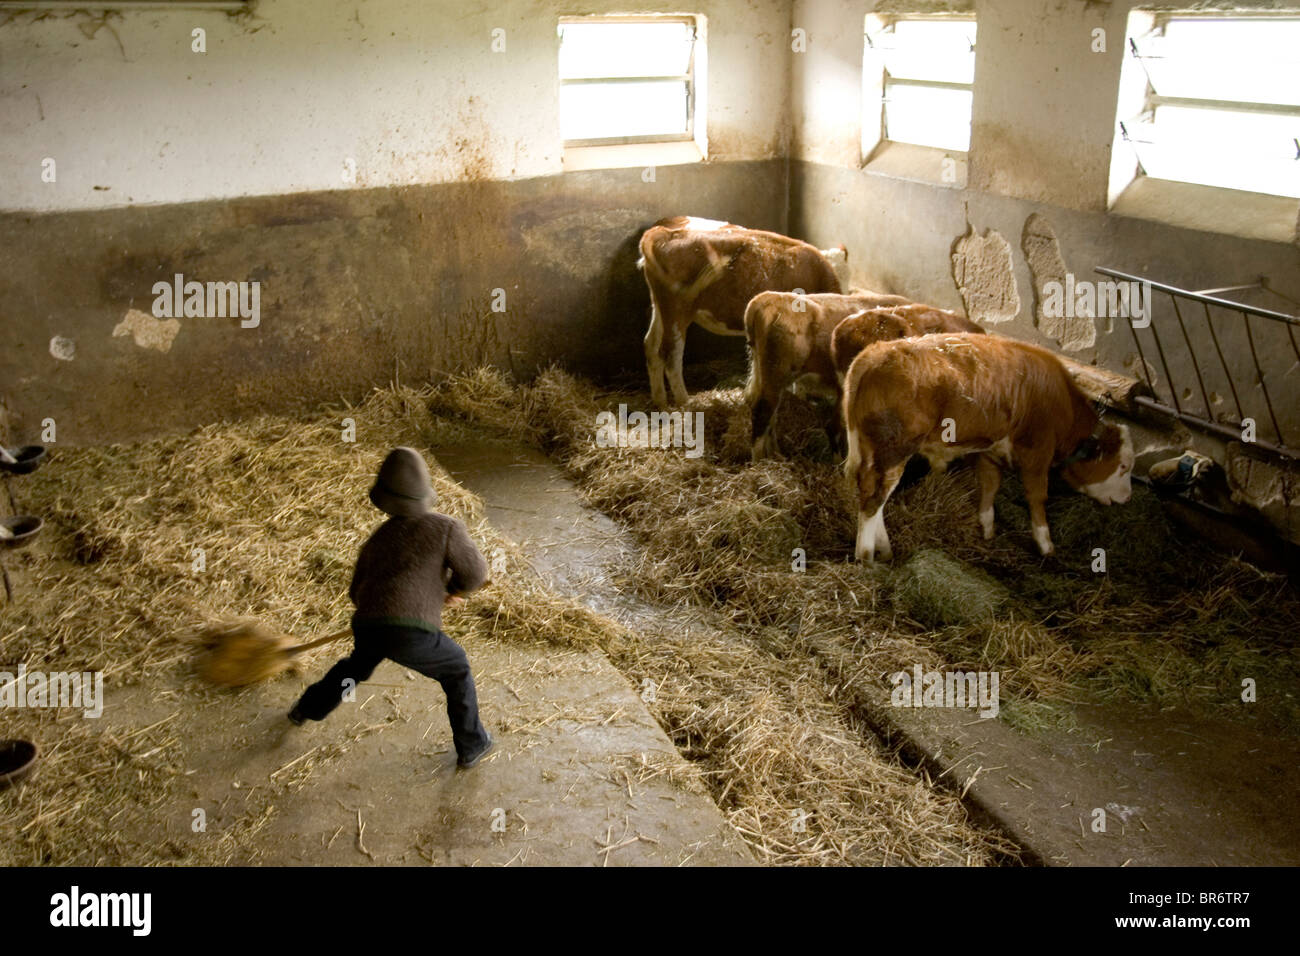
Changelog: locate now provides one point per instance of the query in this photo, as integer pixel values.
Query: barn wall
(1035, 202)
(228, 165)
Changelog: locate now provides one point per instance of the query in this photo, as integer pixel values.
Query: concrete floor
(582, 775)
(579, 767)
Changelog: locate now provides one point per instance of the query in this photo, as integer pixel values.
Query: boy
(413, 564)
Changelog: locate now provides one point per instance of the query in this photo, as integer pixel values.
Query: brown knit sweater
(408, 567)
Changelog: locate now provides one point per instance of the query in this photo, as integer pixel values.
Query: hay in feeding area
(1170, 622)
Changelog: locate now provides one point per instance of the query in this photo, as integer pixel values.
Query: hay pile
(147, 545)
(1171, 622)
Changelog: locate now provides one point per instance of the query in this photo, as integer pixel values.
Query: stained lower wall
(357, 287)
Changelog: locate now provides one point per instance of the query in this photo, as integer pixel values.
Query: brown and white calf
(945, 396)
(789, 336)
(705, 271)
(885, 323)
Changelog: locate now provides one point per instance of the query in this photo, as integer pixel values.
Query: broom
(247, 652)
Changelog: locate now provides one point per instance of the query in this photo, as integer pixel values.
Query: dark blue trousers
(431, 653)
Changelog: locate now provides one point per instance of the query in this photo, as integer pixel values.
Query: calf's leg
(874, 484)
(672, 350)
(990, 476)
(653, 357)
(1035, 481)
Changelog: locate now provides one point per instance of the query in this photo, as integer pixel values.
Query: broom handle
(299, 648)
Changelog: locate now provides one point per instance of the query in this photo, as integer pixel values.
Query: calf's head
(857, 331)
(838, 257)
(1102, 465)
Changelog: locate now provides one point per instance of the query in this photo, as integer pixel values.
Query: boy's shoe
(474, 756)
(297, 717)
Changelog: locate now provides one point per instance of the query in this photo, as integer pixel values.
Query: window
(627, 80)
(1221, 104)
(925, 95)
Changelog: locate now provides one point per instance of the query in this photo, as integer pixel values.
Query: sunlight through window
(1223, 102)
(626, 80)
(929, 69)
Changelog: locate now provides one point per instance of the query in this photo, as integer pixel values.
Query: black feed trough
(17, 759)
(22, 530)
(25, 460)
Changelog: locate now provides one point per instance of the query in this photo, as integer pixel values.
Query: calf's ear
(1086, 450)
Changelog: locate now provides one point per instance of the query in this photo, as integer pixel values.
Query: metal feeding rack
(1272, 339)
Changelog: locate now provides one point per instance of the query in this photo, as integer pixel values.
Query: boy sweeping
(414, 563)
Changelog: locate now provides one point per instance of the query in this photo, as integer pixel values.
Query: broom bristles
(243, 653)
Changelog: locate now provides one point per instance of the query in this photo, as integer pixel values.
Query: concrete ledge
(1232, 212)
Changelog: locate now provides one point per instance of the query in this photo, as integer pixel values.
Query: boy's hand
(452, 600)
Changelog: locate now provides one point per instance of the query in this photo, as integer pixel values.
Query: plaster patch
(148, 332)
(1253, 482)
(1043, 253)
(62, 348)
(985, 277)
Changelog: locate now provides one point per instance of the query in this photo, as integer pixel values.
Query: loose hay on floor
(1170, 622)
(148, 543)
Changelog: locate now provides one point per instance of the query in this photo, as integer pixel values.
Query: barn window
(627, 80)
(1221, 105)
(928, 69)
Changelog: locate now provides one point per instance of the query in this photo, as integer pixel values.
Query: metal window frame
(688, 77)
(887, 81)
(1152, 100)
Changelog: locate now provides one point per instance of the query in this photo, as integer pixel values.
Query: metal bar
(592, 80)
(1196, 365)
(1231, 288)
(620, 18)
(652, 138)
(1160, 350)
(1259, 374)
(1198, 297)
(1224, 430)
(929, 84)
(1162, 19)
(1294, 347)
(1232, 385)
(1230, 106)
(1146, 371)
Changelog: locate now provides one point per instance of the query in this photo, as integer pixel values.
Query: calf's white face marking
(1117, 488)
(839, 260)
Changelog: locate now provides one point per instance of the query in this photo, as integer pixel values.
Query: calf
(705, 271)
(945, 396)
(884, 324)
(789, 335)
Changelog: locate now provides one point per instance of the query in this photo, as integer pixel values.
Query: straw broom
(248, 652)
